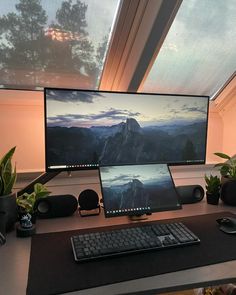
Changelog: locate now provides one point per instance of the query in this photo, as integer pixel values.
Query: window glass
(54, 43)
(199, 53)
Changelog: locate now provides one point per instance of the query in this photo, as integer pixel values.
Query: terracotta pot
(8, 205)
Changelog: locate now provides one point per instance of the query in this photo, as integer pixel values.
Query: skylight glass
(199, 53)
(54, 43)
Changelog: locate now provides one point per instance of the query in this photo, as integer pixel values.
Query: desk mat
(52, 269)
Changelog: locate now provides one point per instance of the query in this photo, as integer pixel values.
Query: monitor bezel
(78, 167)
(140, 212)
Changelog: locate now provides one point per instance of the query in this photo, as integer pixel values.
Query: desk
(14, 257)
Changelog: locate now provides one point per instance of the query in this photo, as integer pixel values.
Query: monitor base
(138, 217)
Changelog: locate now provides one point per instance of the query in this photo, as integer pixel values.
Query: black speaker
(56, 206)
(88, 203)
(189, 194)
(228, 192)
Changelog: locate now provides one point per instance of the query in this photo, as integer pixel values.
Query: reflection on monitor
(85, 129)
(137, 189)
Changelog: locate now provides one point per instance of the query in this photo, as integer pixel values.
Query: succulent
(27, 201)
(7, 173)
(228, 168)
(212, 184)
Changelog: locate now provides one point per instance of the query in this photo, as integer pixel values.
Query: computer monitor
(137, 189)
(85, 129)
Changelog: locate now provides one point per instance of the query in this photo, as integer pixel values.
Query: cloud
(69, 120)
(187, 109)
(195, 110)
(72, 96)
(116, 114)
(123, 178)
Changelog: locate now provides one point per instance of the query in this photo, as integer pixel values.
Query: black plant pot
(213, 199)
(8, 205)
(228, 192)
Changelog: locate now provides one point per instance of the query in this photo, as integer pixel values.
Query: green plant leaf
(223, 165)
(42, 195)
(7, 156)
(10, 183)
(222, 155)
(8, 177)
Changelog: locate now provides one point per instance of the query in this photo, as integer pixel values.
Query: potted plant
(228, 168)
(228, 179)
(26, 202)
(7, 181)
(213, 186)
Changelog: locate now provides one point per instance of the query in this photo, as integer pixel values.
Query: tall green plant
(7, 173)
(228, 168)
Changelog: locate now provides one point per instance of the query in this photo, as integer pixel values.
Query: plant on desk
(26, 202)
(228, 168)
(7, 181)
(213, 186)
(228, 178)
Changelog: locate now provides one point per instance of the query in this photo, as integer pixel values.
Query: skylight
(54, 43)
(198, 54)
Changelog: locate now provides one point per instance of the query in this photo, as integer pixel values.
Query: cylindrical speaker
(228, 192)
(189, 194)
(56, 206)
(88, 200)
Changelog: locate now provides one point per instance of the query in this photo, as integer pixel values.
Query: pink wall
(22, 124)
(228, 115)
(21, 119)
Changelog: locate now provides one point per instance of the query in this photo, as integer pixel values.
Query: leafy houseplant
(213, 185)
(7, 181)
(228, 179)
(26, 202)
(228, 168)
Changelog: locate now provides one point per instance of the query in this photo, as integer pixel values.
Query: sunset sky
(118, 175)
(86, 109)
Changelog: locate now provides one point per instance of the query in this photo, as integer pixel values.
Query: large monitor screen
(137, 189)
(86, 129)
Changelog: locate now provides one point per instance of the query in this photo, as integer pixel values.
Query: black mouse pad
(52, 269)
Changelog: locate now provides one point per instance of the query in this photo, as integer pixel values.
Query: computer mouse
(227, 224)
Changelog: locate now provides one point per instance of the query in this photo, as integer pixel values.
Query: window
(54, 43)
(198, 54)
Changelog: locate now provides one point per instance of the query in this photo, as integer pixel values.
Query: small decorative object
(7, 181)
(213, 186)
(228, 180)
(25, 228)
(26, 210)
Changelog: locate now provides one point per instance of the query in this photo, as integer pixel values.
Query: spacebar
(118, 250)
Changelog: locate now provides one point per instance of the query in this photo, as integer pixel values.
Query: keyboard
(129, 240)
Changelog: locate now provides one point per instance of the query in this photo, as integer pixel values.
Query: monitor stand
(43, 178)
(138, 217)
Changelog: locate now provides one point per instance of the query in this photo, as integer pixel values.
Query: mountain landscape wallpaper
(145, 188)
(86, 127)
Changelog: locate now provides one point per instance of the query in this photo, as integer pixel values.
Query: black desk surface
(54, 271)
(14, 257)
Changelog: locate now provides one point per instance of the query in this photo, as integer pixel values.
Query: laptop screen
(137, 189)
